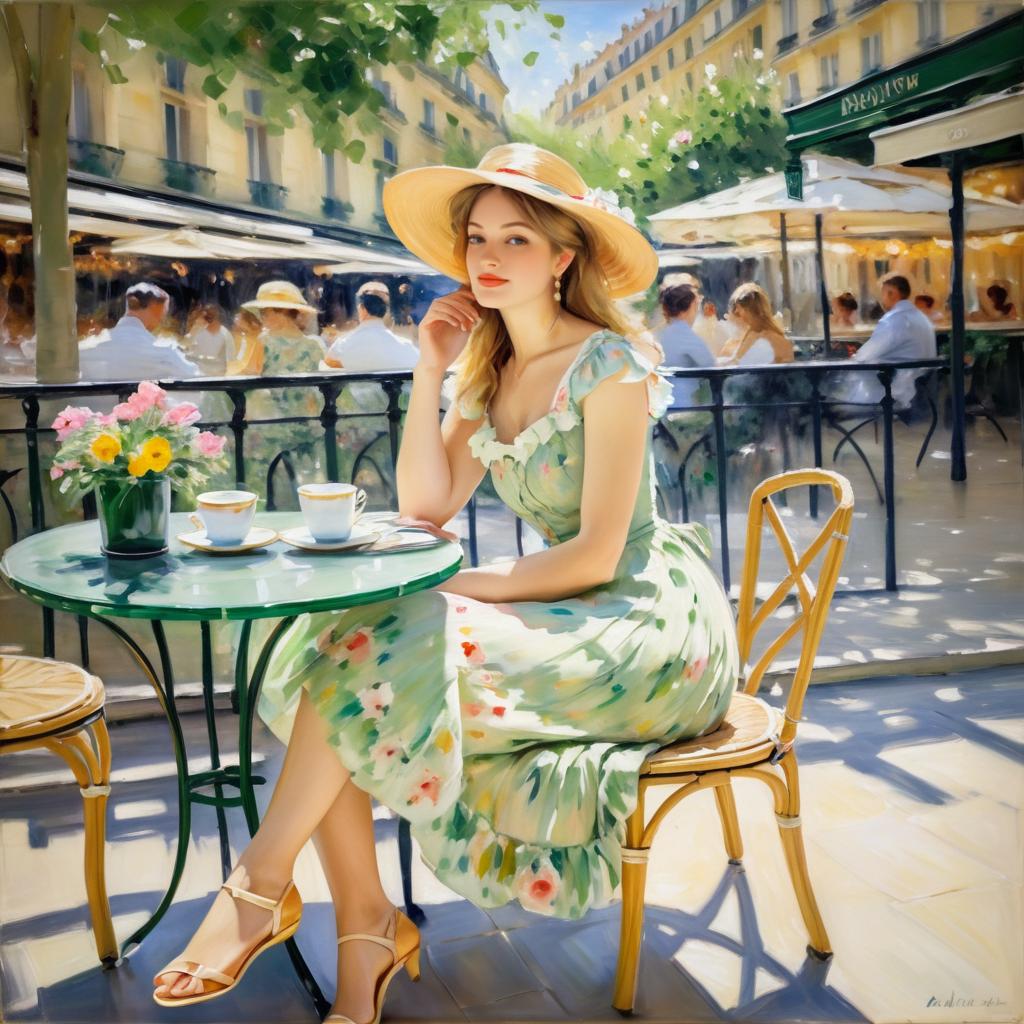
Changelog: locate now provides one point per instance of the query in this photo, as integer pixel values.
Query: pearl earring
(558, 289)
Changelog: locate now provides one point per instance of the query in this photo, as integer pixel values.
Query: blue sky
(589, 26)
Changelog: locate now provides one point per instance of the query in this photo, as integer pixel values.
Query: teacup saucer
(300, 537)
(257, 537)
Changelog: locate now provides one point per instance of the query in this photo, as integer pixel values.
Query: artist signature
(954, 999)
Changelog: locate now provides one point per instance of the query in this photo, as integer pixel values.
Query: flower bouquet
(132, 457)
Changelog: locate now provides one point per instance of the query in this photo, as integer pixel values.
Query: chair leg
(634, 879)
(730, 822)
(791, 834)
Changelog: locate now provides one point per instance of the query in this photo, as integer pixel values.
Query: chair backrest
(813, 597)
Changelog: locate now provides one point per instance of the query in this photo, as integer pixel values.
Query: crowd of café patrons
(276, 334)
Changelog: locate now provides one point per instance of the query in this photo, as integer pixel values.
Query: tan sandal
(404, 947)
(286, 921)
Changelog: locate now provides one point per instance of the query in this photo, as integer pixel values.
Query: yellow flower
(138, 466)
(157, 452)
(106, 447)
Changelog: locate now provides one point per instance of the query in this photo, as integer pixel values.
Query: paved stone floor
(912, 790)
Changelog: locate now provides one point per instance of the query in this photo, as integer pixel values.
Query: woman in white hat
(506, 712)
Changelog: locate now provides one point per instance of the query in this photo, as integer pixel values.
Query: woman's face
(509, 263)
(277, 320)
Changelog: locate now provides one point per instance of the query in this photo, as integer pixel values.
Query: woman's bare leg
(346, 845)
(311, 778)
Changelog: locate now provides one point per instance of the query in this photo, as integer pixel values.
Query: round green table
(63, 569)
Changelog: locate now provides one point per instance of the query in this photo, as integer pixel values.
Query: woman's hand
(444, 330)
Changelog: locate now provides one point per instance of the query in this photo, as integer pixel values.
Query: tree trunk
(44, 91)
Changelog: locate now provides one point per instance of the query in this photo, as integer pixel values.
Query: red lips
(490, 281)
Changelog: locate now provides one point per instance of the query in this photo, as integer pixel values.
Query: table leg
(165, 696)
(248, 690)
(211, 733)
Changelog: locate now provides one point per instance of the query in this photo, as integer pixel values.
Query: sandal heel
(412, 965)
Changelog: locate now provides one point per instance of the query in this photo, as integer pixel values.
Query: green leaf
(465, 58)
(555, 20)
(452, 119)
(355, 150)
(531, 58)
(115, 74)
(90, 40)
(193, 17)
(214, 87)
(500, 26)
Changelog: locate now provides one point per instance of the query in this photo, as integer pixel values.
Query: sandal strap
(198, 970)
(379, 939)
(274, 906)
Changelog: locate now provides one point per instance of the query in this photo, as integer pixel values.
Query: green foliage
(308, 57)
(460, 151)
(679, 148)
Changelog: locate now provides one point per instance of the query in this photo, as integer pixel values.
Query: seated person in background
(130, 352)
(762, 339)
(682, 346)
(926, 304)
(844, 311)
(996, 305)
(247, 353)
(211, 343)
(287, 349)
(372, 346)
(874, 312)
(903, 333)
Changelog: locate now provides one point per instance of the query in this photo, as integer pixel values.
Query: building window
(691, 8)
(929, 22)
(793, 88)
(640, 84)
(609, 71)
(624, 59)
(718, 20)
(675, 19)
(575, 100)
(829, 72)
(659, 31)
(655, 72)
(460, 79)
(648, 42)
(689, 80)
(671, 58)
(592, 87)
(757, 38)
(870, 53)
(259, 158)
(470, 91)
(828, 8)
(254, 102)
(381, 179)
(390, 151)
(625, 93)
(482, 99)
(789, 18)
(174, 73)
(176, 132)
(328, 165)
(428, 115)
(636, 49)
(81, 120)
(688, 48)
(465, 135)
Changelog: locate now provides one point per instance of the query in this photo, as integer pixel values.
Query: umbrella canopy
(398, 266)
(853, 199)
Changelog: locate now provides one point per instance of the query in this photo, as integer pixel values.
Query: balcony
(188, 177)
(787, 43)
(94, 158)
(268, 194)
(823, 24)
(335, 209)
(860, 6)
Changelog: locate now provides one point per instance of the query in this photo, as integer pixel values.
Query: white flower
(656, 127)
(623, 173)
(710, 71)
(605, 199)
(693, 165)
(644, 148)
(758, 53)
(376, 699)
(385, 754)
(305, 54)
(714, 90)
(663, 100)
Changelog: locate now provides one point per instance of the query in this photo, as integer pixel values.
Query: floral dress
(510, 735)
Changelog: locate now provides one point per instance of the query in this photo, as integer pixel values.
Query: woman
(844, 311)
(761, 339)
(506, 712)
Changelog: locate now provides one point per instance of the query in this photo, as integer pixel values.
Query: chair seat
(38, 695)
(746, 736)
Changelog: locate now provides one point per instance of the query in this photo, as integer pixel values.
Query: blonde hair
(753, 300)
(583, 285)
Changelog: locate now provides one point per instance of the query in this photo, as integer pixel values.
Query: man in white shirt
(681, 345)
(372, 346)
(904, 333)
(130, 352)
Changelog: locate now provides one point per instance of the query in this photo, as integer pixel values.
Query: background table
(64, 569)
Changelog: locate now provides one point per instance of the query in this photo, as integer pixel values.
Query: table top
(63, 568)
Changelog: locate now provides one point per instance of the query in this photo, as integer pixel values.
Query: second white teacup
(226, 515)
(331, 510)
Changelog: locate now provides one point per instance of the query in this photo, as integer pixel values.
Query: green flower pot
(133, 516)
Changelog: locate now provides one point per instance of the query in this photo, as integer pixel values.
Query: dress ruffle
(603, 355)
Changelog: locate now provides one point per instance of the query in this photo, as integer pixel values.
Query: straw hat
(278, 295)
(416, 204)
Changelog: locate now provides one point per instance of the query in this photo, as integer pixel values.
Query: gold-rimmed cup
(226, 515)
(331, 510)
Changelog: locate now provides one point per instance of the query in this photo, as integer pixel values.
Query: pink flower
(209, 444)
(561, 399)
(70, 419)
(183, 415)
(56, 471)
(384, 754)
(537, 890)
(376, 700)
(106, 421)
(148, 395)
(474, 652)
(683, 138)
(125, 412)
(428, 788)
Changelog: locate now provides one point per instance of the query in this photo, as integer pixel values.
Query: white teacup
(331, 510)
(226, 515)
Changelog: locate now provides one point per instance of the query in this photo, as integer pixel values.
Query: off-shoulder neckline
(558, 387)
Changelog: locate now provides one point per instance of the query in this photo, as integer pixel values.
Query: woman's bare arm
(615, 434)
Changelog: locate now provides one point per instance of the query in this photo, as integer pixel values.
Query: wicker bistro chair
(755, 740)
(59, 707)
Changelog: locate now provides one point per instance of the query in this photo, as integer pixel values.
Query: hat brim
(256, 305)
(416, 204)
